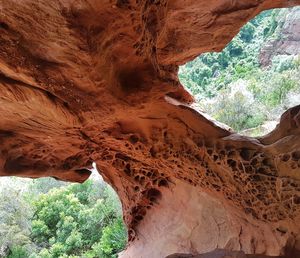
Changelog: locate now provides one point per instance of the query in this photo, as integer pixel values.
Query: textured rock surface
(88, 80)
(221, 254)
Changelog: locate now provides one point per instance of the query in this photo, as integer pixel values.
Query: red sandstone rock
(221, 254)
(88, 80)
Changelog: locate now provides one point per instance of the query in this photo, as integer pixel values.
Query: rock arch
(87, 80)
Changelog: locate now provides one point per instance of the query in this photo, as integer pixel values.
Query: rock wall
(87, 81)
(288, 43)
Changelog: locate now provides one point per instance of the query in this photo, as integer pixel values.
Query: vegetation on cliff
(238, 86)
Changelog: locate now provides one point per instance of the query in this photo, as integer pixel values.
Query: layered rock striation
(86, 81)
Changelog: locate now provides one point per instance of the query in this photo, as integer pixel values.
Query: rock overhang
(89, 81)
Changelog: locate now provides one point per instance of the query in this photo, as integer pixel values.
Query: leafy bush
(18, 252)
(236, 110)
(113, 239)
(247, 32)
(282, 63)
(68, 221)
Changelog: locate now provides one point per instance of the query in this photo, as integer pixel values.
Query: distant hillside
(287, 41)
(256, 77)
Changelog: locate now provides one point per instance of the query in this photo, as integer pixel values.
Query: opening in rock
(49, 218)
(255, 78)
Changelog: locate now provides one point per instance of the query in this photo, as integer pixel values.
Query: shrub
(18, 252)
(70, 221)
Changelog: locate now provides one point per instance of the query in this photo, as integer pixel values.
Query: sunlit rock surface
(96, 81)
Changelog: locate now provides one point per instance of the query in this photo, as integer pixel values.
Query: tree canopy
(68, 220)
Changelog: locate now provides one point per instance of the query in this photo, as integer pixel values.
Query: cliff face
(289, 41)
(96, 81)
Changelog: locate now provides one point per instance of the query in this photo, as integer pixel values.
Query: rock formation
(289, 41)
(87, 81)
(222, 254)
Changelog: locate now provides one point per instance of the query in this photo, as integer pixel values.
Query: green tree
(15, 225)
(78, 219)
(247, 32)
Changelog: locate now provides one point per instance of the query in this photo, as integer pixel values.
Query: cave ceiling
(85, 81)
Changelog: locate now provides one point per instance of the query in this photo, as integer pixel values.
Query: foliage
(73, 219)
(43, 185)
(70, 220)
(18, 252)
(110, 241)
(15, 215)
(235, 107)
